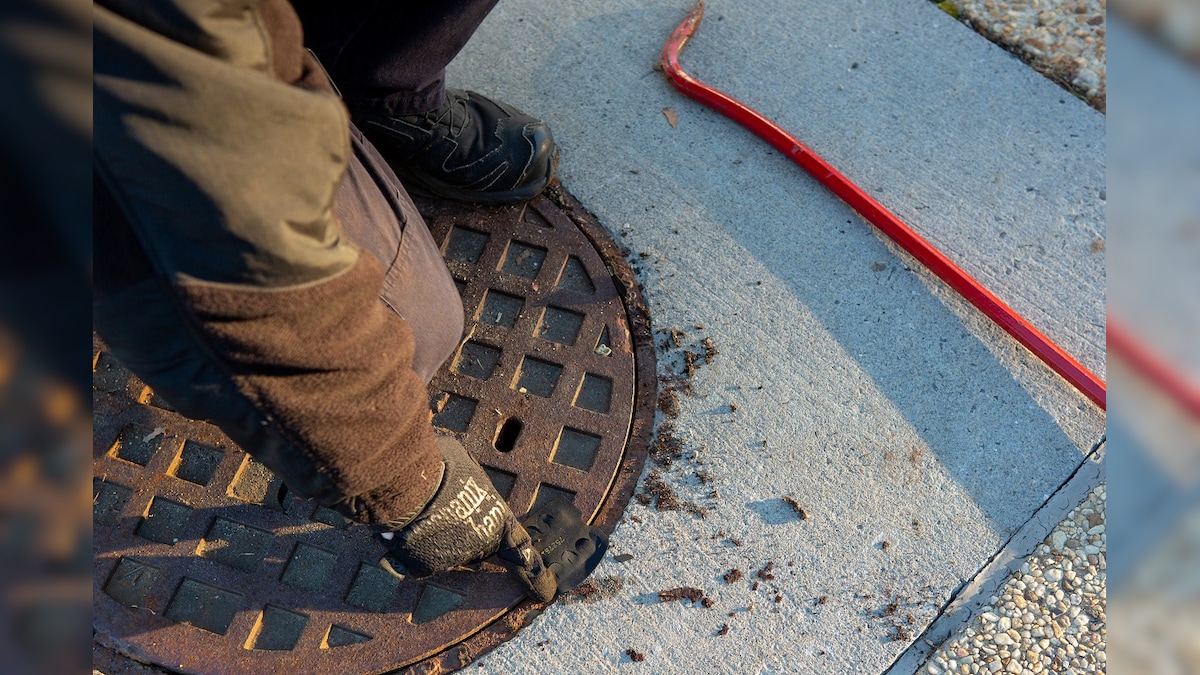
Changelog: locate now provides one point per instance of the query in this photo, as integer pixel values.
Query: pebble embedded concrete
(1064, 40)
(1050, 616)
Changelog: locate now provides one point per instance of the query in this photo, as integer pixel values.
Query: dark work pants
(229, 200)
(378, 215)
(389, 56)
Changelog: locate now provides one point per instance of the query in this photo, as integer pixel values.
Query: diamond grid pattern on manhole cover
(205, 564)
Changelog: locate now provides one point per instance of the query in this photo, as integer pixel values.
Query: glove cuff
(402, 521)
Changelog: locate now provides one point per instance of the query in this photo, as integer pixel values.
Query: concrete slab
(962, 616)
(890, 409)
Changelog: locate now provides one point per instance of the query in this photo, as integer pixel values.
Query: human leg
(388, 61)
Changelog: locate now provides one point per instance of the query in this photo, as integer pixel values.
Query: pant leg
(225, 280)
(390, 56)
(377, 214)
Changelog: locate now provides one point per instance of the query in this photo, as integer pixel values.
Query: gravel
(1062, 39)
(1050, 616)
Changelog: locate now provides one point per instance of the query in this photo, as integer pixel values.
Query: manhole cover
(204, 565)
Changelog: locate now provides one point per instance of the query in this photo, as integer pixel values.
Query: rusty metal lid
(204, 563)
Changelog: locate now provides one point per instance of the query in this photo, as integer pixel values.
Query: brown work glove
(467, 521)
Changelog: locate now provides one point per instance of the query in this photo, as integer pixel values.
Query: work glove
(465, 522)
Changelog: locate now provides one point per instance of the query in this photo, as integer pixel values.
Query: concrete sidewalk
(916, 435)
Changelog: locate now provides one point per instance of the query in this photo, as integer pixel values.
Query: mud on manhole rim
(203, 564)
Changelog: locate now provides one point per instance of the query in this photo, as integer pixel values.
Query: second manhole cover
(201, 567)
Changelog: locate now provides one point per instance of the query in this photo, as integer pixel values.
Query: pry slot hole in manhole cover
(507, 434)
(267, 579)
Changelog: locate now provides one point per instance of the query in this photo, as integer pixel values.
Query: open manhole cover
(204, 565)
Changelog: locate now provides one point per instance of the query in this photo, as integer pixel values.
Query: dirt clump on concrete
(800, 510)
(765, 572)
(595, 590)
(681, 593)
(656, 492)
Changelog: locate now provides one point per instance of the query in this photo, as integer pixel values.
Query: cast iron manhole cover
(202, 567)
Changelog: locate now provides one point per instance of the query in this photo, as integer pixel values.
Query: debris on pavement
(656, 492)
(791, 501)
(690, 358)
(683, 592)
(595, 590)
(765, 572)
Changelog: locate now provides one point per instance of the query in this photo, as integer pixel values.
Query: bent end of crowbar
(678, 40)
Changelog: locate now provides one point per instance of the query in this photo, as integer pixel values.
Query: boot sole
(439, 189)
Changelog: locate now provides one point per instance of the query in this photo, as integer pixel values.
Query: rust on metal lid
(205, 564)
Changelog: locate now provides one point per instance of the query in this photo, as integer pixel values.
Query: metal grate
(205, 564)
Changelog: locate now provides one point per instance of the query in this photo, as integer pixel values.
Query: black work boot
(470, 149)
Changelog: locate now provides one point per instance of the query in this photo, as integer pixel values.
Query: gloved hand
(467, 521)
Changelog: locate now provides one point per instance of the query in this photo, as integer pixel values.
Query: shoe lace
(451, 114)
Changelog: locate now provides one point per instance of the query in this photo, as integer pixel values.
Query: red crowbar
(886, 221)
(1153, 368)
